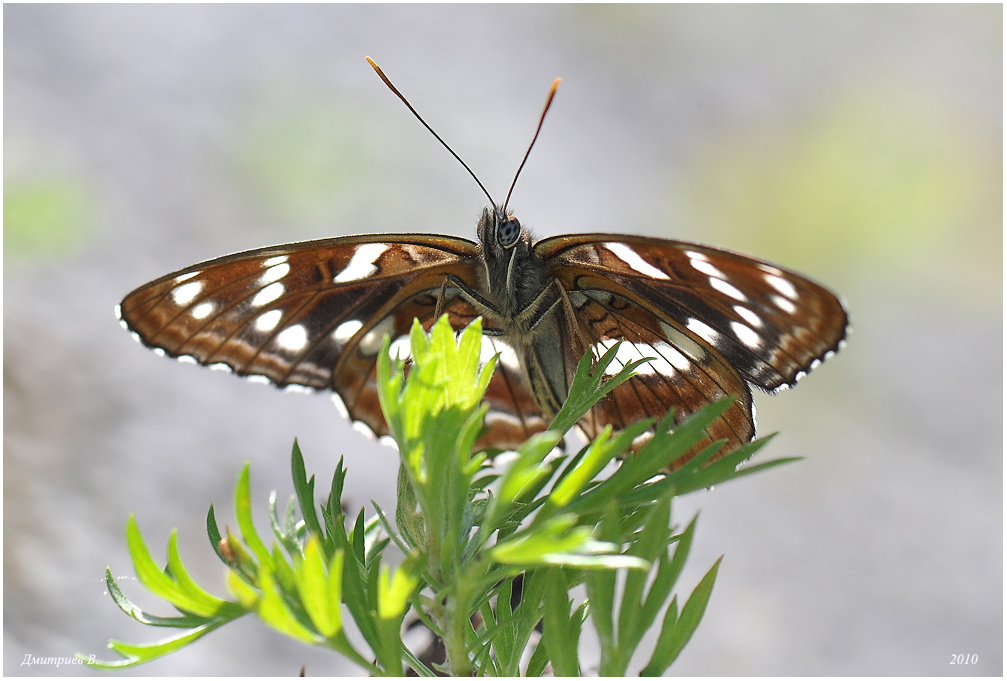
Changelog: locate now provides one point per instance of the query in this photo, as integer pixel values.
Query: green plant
(467, 532)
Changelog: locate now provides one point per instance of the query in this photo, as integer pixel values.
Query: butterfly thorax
(523, 299)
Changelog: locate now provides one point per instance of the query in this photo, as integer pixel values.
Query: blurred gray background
(859, 144)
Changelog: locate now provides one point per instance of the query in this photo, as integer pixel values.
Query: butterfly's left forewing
(314, 315)
(311, 314)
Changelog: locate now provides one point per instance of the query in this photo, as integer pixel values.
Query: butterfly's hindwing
(683, 373)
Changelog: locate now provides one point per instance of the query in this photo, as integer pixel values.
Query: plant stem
(455, 629)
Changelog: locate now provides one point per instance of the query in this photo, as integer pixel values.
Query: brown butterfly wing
(712, 319)
(311, 314)
(513, 414)
(683, 373)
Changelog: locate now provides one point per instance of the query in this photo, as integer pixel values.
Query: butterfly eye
(509, 232)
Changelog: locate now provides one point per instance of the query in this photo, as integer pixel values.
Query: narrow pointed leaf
(673, 638)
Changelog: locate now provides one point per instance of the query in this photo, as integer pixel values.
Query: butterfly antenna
(409, 106)
(548, 103)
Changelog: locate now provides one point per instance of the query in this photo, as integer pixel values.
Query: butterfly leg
(576, 333)
(538, 309)
(482, 306)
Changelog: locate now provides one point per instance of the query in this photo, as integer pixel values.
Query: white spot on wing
(508, 357)
(683, 342)
(187, 359)
(706, 268)
(370, 344)
(362, 427)
(748, 315)
(631, 352)
(347, 330)
(203, 310)
(159, 352)
(268, 294)
(293, 337)
(673, 356)
(340, 405)
(220, 366)
(769, 269)
(631, 258)
(118, 312)
(696, 255)
(401, 348)
(783, 304)
(275, 260)
(185, 277)
(274, 273)
(257, 378)
(782, 285)
(362, 263)
(494, 416)
(727, 289)
(295, 388)
(267, 321)
(703, 330)
(389, 441)
(746, 335)
(186, 293)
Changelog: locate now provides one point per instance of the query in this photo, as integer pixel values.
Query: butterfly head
(500, 233)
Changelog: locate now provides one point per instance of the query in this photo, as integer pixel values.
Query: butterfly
(313, 316)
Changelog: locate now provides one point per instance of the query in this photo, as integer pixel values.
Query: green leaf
(139, 654)
(238, 559)
(589, 385)
(522, 474)
(157, 582)
(243, 513)
(247, 596)
(726, 469)
(207, 602)
(601, 585)
(558, 542)
(285, 532)
(673, 638)
(187, 621)
(354, 592)
(395, 593)
(274, 612)
(305, 491)
(560, 632)
(599, 453)
(539, 659)
(334, 591)
(313, 588)
(213, 532)
(667, 575)
(335, 500)
(649, 544)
